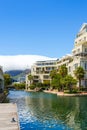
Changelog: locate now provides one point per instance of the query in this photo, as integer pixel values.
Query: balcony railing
(80, 54)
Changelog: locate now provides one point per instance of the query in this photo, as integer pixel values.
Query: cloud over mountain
(20, 61)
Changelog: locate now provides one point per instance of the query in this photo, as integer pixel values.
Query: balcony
(83, 54)
(46, 77)
(81, 43)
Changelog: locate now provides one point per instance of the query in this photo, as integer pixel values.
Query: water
(43, 111)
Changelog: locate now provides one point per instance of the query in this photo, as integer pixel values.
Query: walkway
(8, 117)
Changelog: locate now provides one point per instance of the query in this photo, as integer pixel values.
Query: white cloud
(20, 61)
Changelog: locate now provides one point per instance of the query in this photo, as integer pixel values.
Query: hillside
(14, 72)
(18, 74)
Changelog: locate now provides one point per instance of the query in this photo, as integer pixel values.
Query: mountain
(13, 72)
(18, 75)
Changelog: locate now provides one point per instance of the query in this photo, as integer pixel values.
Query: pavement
(9, 117)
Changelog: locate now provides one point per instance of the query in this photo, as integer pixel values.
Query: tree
(46, 84)
(79, 73)
(19, 86)
(56, 82)
(63, 70)
(30, 78)
(53, 74)
(69, 82)
(7, 79)
(58, 78)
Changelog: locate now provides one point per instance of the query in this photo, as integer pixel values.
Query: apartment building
(1, 79)
(79, 53)
(41, 69)
(65, 60)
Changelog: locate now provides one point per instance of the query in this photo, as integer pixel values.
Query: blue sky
(40, 27)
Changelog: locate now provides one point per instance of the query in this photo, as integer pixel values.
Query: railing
(80, 54)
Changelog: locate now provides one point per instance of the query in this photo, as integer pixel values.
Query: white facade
(41, 69)
(79, 53)
(65, 60)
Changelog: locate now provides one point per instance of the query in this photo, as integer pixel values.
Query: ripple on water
(40, 111)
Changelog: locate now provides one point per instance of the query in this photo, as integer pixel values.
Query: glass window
(85, 49)
(69, 69)
(85, 65)
(78, 50)
(86, 83)
(76, 65)
(45, 76)
(84, 38)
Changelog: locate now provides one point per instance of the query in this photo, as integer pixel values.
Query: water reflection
(47, 111)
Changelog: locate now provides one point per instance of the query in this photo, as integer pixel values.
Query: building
(1, 79)
(79, 53)
(41, 69)
(65, 60)
(21, 79)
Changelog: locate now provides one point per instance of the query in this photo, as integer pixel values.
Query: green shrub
(19, 86)
(66, 91)
(32, 86)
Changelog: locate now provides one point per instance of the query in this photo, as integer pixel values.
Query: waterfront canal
(43, 111)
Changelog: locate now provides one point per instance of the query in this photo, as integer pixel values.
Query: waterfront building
(65, 60)
(41, 69)
(79, 54)
(21, 79)
(1, 79)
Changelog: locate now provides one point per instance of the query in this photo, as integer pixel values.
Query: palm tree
(63, 70)
(53, 73)
(79, 73)
(30, 78)
(56, 82)
(69, 82)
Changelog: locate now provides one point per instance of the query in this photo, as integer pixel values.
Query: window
(46, 77)
(75, 65)
(85, 65)
(85, 38)
(48, 68)
(86, 83)
(78, 50)
(85, 49)
(74, 52)
(69, 69)
(80, 40)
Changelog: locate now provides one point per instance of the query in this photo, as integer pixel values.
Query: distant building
(22, 79)
(41, 69)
